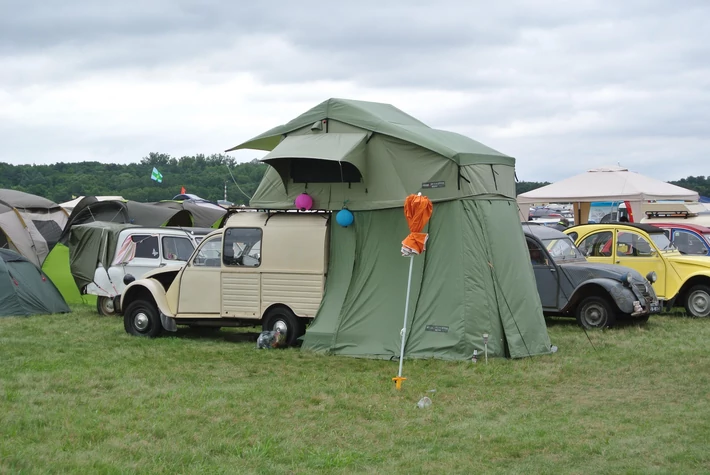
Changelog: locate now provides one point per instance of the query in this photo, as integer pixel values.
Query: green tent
(475, 277)
(24, 289)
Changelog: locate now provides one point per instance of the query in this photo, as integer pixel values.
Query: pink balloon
(304, 202)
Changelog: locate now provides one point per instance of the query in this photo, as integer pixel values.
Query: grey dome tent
(29, 224)
(24, 289)
(475, 277)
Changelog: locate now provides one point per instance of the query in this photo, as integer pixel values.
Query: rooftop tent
(205, 214)
(475, 276)
(24, 289)
(29, 224)
(606, 184)
(371, 156)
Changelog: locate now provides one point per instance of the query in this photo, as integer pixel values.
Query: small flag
(182, 190)
(156, 175)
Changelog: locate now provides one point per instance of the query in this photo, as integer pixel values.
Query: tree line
(202, 175)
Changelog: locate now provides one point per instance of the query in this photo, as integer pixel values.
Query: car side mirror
(128, 278)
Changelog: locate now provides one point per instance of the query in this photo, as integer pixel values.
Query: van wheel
(286, 321)
(595, 312)
(697, 301)
(105, 306)
(141, 319)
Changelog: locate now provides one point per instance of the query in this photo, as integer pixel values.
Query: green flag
(156, 175)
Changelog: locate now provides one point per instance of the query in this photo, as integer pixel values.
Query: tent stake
(398, 380)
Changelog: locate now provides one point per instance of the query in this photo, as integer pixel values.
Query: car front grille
(644, 291)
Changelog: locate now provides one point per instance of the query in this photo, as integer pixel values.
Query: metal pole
(406, 311)
(225, 190)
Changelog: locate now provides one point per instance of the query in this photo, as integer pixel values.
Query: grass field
(79, 395)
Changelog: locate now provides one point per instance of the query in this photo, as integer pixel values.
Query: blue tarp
(704, 199)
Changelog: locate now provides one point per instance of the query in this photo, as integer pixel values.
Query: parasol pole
(399, 379)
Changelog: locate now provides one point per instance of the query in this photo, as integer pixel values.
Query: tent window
(146, 246)
(177, 248)
(242, 247)
(49, 230)
(309, 170)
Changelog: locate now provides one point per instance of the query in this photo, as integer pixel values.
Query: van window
(146, 246)
(177, 248)
(242, 247)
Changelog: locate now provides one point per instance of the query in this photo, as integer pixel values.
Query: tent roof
(71, 204)
(20, 199)
(607, 184)
(8, 255)
(384, 119)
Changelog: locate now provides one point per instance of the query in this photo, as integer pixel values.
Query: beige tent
(29, 224)
(606, 184)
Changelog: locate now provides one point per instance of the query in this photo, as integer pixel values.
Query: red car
(692, 239)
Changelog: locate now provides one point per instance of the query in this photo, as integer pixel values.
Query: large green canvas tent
(475, 277)
(24, 289)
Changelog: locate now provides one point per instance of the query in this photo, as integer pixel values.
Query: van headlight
(626, 278)
(652, 276)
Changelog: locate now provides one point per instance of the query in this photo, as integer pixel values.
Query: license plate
(656, 308)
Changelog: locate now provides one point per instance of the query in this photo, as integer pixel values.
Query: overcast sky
(563, 86)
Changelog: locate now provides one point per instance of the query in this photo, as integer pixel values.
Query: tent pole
(406, 311)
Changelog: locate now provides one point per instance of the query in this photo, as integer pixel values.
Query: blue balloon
(344, 218)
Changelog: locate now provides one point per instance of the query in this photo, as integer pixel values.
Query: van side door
(241, 273)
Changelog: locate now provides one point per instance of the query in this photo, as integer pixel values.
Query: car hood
(701, 261)
(581, 271)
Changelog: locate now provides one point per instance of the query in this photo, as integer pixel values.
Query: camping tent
(605, 184)
(205, 214)
(90, 209)
(24, 289)
(475, 276)
(29, 224)
(69, 205)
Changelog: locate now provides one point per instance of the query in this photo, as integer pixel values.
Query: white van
(140, 250)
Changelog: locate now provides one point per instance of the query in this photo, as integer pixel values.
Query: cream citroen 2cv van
(260, 268)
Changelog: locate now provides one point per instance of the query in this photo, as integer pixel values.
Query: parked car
(138, 251)
(595, 294)
(692, 239)
(682, 279)
(228, 282)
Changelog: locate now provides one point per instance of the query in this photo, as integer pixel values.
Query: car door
(688, 242)
(635, 250)
(598, 246)
(546, 275)
(200, 281)
(147, 255)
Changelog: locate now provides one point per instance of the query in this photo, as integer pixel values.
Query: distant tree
(525, 186)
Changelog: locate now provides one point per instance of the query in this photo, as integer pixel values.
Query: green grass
(79, 395)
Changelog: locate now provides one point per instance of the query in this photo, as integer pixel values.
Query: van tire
(141, 318)
(105, 306)
(697, 301)
(283, 316)
(595, 312)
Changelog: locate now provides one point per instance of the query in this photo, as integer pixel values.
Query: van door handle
(162, 265)
(618, 262)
